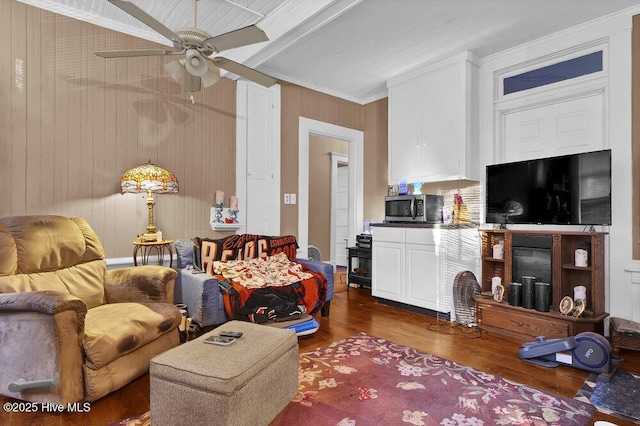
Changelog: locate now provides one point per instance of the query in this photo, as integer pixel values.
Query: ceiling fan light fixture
(175, 69)
(196, 64)
(211, 77)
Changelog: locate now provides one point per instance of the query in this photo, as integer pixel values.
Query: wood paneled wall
(320, 149)
(71, 123)
(376, 155)
(371, 118)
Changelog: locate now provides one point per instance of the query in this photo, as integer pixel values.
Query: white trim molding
(634, 269)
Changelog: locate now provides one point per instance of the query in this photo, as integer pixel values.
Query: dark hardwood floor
(352, 313)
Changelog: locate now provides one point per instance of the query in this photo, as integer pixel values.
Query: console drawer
(525, 324)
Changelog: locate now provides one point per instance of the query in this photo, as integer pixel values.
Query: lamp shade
(148, 177)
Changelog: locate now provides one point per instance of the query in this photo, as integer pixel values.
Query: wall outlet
(287, 198)
(293, 198)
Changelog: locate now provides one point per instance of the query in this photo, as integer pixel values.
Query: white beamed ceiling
(350, 48)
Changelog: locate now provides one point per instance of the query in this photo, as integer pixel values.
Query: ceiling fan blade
(244, 71)
(236, 38)
(147, 19)
(191, 83)
(137, 52)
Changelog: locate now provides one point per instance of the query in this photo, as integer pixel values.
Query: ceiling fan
(197, 67)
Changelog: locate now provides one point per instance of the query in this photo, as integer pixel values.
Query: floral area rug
(619, 397)
(365, 380)
(140, 420)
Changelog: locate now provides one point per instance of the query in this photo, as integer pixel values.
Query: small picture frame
(566, 305)
(580, 306)
(498, 294)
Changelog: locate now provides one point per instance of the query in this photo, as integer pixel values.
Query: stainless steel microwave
(423, 208)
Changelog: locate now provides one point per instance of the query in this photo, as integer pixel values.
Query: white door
(342, 215)
(560, 128)
(258, 158)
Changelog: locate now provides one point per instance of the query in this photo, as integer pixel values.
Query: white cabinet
(405, 266)
(388, 261)
(433, 122)
(388, 271)
(421, 269)
(417, 266)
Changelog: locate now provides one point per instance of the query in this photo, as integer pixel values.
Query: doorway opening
(355, 139)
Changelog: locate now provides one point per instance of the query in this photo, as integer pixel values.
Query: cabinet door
(422, 276)
(405, 111)
(388, 270)
(442, 123)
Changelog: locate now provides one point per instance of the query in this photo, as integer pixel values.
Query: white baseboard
(119, 262)
(125, 262)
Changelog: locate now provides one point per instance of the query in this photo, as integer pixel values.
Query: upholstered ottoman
(246, 383)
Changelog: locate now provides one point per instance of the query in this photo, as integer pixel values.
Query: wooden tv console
(527, 324)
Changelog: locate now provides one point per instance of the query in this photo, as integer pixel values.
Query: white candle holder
(580, 292)
(233, 215)
(218, 216)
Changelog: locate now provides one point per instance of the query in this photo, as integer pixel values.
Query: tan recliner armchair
(69, 329)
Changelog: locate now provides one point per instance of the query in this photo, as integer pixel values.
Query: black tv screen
(570, 189)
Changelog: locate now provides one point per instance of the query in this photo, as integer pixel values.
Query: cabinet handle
(520, 323)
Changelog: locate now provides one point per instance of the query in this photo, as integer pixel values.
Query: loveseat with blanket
(208, 287)
(68, 327)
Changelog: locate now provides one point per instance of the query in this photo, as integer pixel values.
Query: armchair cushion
(52, 253)
(45, 302)
(113, 330)
(139, 284)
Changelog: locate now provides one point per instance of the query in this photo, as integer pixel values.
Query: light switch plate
(293, 198)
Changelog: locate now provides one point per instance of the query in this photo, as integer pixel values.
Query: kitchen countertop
(425, 225)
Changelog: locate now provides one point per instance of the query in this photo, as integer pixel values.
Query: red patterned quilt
(239, 279)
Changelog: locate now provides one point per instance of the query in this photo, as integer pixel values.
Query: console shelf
(526, 324)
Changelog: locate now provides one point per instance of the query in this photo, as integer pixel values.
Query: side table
(159, 248)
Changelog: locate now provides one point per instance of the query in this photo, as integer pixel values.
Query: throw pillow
(184, 253)
(286, 244)
(244, 246)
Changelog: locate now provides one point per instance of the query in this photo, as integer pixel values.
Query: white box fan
(313, 253)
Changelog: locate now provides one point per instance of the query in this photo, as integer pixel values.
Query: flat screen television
(570, 190)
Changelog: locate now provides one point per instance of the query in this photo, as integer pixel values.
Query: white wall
(623, 291)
